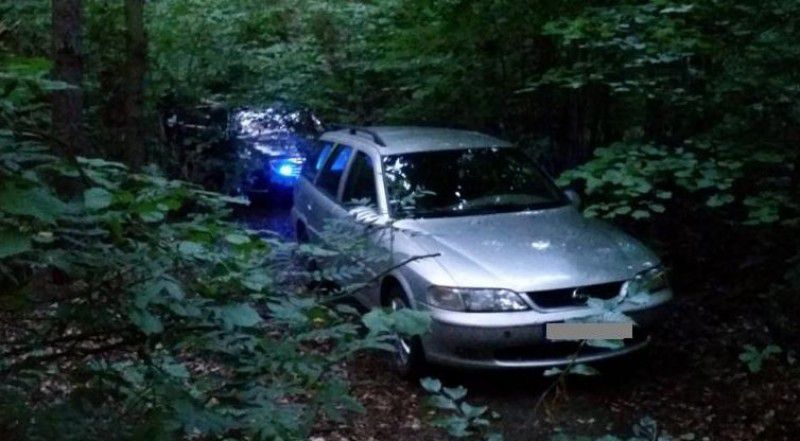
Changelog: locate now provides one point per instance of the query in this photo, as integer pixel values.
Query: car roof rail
(354, 130)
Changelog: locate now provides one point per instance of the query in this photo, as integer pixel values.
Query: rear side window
(360, 184)
(316, 160)
(332, 172)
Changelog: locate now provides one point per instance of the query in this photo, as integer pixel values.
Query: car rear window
(360, 184)
(331, 173)
(317, 160)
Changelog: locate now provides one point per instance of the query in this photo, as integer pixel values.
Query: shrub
(133, 308)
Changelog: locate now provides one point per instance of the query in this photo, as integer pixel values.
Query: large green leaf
(12, 243)
(97, 198)
(239, 314)
(34, 201)
(146, 321)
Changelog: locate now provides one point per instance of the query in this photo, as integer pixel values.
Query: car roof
(389, 140)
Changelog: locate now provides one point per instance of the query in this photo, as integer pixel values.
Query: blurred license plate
(588, 331)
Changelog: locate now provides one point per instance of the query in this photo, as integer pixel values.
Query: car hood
(527, 251)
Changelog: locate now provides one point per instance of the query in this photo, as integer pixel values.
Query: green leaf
(190, 248)
(552, 372)
(442, 402)
(97, 198)
(36, 202)
(152, 216)
(622, 210)
(411, 322)
(431, 385)
(377, 321)
(257, 281)
(455, 393)
(12, 243)
(719, 200)
(146, 322)
(473, 411)
(237, 239)
(606, 343)
(455, 425)
(175, 369)
(27, 66)
(583, 369)
(239, 314)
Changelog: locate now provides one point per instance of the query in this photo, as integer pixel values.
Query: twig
(560, 378)
(350, 291)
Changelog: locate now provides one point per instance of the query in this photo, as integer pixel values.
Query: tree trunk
(67, 105)
(133, 144)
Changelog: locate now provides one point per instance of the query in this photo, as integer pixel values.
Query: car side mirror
(573, 197)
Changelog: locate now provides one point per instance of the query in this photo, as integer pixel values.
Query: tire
(409, 355)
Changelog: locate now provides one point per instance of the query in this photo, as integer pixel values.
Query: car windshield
(466, 182)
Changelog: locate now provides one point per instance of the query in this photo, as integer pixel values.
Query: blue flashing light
(286, 170)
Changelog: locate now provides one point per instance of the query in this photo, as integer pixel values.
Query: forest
(138, 300)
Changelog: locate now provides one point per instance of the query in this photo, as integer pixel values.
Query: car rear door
(322, 204)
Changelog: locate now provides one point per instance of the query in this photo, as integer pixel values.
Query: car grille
(571, 297)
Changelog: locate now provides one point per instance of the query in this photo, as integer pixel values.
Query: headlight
(475, 299)
(648, 282)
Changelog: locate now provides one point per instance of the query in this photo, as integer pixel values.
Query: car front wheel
(409, 357)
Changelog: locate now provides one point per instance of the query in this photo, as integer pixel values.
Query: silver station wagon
(508, 254)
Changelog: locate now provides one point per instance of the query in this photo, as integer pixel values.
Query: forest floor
(689, 380)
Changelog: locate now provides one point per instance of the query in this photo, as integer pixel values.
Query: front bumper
(517, 339)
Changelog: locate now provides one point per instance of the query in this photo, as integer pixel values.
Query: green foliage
(142, 309)
(679, 107)
(705, 106)
(686, 105)
(754, 358)
(25, 27)
(576, 369)
(460, 419)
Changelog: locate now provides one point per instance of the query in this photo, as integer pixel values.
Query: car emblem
(579, 296)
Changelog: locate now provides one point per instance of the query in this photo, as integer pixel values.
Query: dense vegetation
(680, 120)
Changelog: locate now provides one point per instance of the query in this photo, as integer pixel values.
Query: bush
(133, 308)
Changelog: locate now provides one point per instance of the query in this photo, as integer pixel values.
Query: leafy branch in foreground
(461, 419)
(754, 358)
(133, 308)
(604, 311)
